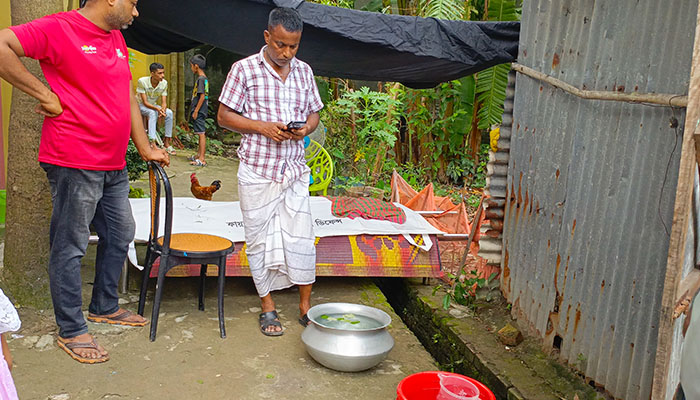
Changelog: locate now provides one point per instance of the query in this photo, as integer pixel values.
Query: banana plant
(491, 83)
(443, 9)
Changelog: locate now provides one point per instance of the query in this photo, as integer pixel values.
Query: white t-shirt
(153, 94)
(9, 320)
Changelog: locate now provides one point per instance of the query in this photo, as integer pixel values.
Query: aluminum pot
(347, 350)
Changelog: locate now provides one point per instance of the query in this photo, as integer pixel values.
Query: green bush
(135, 166)
(137, 193)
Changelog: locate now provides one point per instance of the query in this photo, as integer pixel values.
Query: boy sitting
(151, 94)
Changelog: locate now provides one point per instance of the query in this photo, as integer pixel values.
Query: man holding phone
(271, 98)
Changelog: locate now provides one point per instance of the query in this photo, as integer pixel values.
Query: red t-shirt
(88, 68)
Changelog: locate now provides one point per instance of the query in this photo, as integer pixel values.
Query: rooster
(203, 192)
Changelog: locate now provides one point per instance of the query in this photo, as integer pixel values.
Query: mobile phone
(296, 125)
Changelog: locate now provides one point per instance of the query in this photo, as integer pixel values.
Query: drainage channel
(461, 343)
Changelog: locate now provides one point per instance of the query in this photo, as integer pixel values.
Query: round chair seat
(197, 242)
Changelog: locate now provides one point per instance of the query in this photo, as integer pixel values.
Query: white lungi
(278, 230)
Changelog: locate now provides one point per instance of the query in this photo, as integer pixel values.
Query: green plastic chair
(318, 159)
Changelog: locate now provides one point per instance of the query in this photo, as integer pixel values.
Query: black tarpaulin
(336, 42)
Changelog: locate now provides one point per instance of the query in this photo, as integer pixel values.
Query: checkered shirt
(257, 92)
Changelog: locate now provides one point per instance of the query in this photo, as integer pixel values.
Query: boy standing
(199, 107)
(151, 94)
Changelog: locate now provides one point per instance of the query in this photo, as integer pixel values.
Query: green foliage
(215, 147)
(137, 193)
(373, 5)
(323, 90)
(463, 291)
(135, 166)
(443, 9)
(375, 126)
(187, 138)
(336, 3)
(441, 117)
(210, 126)
(464, 96)
(491, 91)
(468, 172)
(503, 10)
(491, 83)
(371, 110)
(415, 176)
(338, 142)
(342, 183)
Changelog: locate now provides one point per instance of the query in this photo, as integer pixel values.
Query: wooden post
(181, 66)
(681, 214)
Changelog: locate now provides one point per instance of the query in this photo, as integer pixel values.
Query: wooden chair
(178, 249)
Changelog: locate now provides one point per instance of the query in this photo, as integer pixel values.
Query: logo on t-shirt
(120, 54)
(87, 49)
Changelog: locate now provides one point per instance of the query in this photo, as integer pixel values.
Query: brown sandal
(119, 319)
(69, 346)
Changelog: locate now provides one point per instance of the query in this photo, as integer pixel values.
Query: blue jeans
(152, 116)
(81, 197)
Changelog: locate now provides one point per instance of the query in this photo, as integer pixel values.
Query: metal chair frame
(169, 258)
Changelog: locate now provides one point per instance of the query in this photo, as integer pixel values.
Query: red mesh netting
(451, 252)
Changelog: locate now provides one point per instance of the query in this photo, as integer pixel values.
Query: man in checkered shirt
(262, 95)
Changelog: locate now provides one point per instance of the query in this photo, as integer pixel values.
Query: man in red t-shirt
(91, 112)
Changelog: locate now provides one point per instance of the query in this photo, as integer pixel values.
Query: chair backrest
(321, 168)
(157, 178)
(312, 150)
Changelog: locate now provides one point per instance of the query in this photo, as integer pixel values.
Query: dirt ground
(189, 360)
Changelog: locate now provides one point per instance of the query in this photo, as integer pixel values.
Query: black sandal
(268, 319)
(304, 321)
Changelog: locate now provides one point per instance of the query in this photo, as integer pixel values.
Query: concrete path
(189, 360)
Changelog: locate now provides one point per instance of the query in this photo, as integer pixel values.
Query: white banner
(223, 218)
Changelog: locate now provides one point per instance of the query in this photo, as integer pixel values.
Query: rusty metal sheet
(591, 184)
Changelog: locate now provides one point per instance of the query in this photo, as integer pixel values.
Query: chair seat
(197, 243)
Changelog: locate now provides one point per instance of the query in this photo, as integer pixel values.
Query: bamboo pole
(674, 100)
(679, 229)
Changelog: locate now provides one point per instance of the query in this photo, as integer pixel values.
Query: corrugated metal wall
(491, 242)
(590, 182)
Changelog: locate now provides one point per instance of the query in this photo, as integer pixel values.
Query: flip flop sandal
(198, 163)
(268, 319)
(119, 319)
(69, 347)
(304, 321)
(192, 158)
